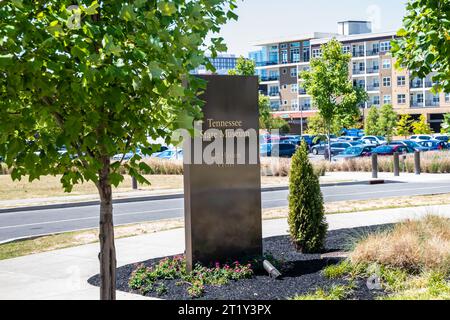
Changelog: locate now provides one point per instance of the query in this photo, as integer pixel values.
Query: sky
(269, 19)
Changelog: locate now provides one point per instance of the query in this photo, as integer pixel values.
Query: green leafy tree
(404, 125)
(99, 78)
(372, 121)
(280, 124)
(307, 223)
(329, 84)
(317, 126)
(421, 126)
(387, 121)
(244, 67)
(446, 124)
(423, 43)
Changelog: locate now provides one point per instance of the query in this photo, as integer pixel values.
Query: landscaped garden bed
(302, 274)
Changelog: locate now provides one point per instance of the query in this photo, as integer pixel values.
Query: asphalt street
(20, 224)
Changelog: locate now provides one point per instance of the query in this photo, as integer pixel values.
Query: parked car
(421, 137)
(336, 147)
(411, 144)
(390, 150)
(434, 145)
(283, 149)
(441, 137)
(354, 152)
(374, 140)
(349, 138)
(171, 154)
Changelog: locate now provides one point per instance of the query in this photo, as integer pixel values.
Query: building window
(436, 98)
(387, 99)
(385, 46)
(295, 55)
(386, 63)
(401, 81)
(376, 100)
(346, 49)
(447, 97)
(285, 102)
(420, 98)
(284, 56)
(284, 71)
(401, 98)
(294, 72)
(294, 88)
(283, 46)
(316, 53)
(284, 86)
(386, 82)
(294, 104)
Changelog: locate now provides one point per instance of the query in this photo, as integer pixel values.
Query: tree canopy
(423, 45)
(329, 84)
(100, 78)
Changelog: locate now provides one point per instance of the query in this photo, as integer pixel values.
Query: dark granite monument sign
(223, 197)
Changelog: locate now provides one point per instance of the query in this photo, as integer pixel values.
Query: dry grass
(49, 186)
(413, 245)
(431, 162)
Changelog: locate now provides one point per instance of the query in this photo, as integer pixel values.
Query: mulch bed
(301, 275)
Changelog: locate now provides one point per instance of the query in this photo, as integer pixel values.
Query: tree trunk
(107, 254)
(329, 142)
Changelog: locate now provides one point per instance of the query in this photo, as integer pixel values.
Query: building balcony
(270, 78)
(274, 94)
(429, 84)
(432, 103)
(358, 71)
(416, 85)
(266, 63)
(372, 52)
(373, 70)
(305, 106)
(373, 87)
(301, 91)
(358, 54)
(428, 104)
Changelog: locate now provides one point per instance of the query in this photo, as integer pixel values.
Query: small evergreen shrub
(306, 211)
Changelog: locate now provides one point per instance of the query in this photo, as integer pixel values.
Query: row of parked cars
(351, 147)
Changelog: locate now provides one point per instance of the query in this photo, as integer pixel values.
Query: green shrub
(306, 211)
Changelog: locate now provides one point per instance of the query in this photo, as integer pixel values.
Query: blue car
(284, 149)
(433, 145)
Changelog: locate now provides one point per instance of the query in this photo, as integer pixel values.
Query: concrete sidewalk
(330, 179)
(63, 274)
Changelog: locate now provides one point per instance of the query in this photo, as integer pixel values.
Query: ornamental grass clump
(306, 210)
(413, 246)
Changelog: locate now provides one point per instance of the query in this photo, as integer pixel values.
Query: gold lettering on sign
(224, 123)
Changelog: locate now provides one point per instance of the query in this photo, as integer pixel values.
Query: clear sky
(268, 19)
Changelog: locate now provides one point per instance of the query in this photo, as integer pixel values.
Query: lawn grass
(336, 292)
(50, 186)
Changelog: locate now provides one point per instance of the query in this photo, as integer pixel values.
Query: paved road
(32, 223)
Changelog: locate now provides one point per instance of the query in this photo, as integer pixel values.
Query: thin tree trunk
(107, 254)
(329, 142)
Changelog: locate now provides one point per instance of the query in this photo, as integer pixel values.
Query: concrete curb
(152, 198)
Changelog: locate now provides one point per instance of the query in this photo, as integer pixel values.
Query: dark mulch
(301, 274)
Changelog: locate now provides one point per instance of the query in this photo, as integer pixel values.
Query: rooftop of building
(323, 37)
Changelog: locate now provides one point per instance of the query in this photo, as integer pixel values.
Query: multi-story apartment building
(223, 63)
(372, 67)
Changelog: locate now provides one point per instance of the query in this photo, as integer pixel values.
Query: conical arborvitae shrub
(307, 224)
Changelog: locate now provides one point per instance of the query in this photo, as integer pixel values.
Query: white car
(374, 140)
(421, 137)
